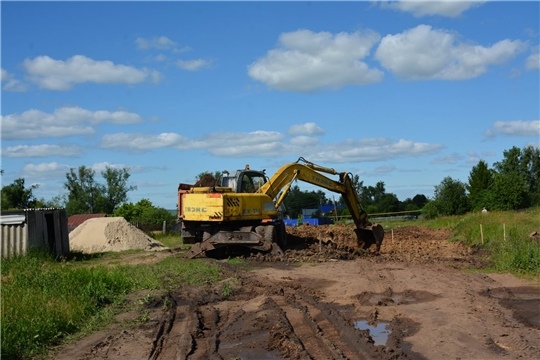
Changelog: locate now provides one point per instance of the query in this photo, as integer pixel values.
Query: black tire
(270, 233)
(281, 234)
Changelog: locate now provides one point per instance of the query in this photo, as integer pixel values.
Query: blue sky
(401, 92)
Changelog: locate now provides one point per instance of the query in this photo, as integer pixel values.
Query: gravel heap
(110, 234)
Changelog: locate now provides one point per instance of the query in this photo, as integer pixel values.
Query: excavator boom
(368, 235)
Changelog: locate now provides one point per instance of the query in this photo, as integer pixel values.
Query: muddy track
(264, 320)
(412, 301)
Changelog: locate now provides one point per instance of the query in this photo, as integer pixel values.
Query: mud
(411, 301)
(410, 244)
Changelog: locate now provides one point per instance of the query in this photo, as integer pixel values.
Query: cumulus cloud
(45, 171)
(305, 61)
(54, 74)
(193, 65)
(378, 171)
(158, 42)
(309, 128)
(423, 53)
(140, 141)
(273, 144)
(514, 128)
(373, 149)
(303, 141)
(419, 8)
(45, 150)
(64, 121)
(447, 159)
(10, 83)
(533, 61)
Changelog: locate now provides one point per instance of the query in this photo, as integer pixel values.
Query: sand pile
(110, 234)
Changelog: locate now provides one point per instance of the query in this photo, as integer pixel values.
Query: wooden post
(504, 232)
(164, 230)
(481, 234)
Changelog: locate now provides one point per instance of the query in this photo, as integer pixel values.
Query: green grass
(172, 240)
(44, 301)
(506, 235)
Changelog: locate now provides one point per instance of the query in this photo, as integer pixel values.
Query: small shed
(34, 228)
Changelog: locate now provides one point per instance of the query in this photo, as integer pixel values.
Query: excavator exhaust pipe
(370, 237)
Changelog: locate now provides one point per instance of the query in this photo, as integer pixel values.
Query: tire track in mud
(264, 320)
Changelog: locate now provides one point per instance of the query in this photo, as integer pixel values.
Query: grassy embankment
(506, 235)
(45, 301)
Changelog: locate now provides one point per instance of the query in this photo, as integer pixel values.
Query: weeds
(505, 234)
(44, 301)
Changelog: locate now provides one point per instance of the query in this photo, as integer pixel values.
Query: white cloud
(9, 83)
(303, 141)
(54, 74)
(306, 61)
(158, 42)
(372, 149)
(309, 128)
(533, 61)
(64, 121)
(193, 65)
(488, 153)
(44, 171)
(140, 142)
(421, 8)
(447, 159)
(102, 166)
(423, 53)
(273, 144)
(269, 143)
(45, 150)
(515, 128)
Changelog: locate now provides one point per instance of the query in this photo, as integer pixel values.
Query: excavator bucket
(370, 237)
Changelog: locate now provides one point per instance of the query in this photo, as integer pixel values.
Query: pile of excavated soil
(110, 234)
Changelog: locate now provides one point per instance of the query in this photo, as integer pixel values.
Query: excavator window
(251, 182)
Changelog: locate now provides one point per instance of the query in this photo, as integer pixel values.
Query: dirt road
(414, 301)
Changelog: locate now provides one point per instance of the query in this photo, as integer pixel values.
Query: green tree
(116, 188)
(509, 192)
(144, 213)
(451, 197)
(419, 200)
(480, 181)
(525, 164)
(86, 195)
(296, 200)
(16, 196)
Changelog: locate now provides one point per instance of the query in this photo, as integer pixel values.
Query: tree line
(511, 184)
(86, 195)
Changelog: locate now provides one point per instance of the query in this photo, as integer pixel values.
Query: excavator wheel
(270, 236)
(281, 234)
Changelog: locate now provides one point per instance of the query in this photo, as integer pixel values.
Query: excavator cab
(243, 181)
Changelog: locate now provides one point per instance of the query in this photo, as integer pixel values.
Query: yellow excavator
(242, 209)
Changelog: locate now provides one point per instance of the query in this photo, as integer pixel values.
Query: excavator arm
(368, 234)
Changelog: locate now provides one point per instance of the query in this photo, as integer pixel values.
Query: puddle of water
(378, 333)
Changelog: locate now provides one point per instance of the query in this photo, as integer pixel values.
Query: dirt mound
(206, 181)
(405, 244)
(110, 234)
